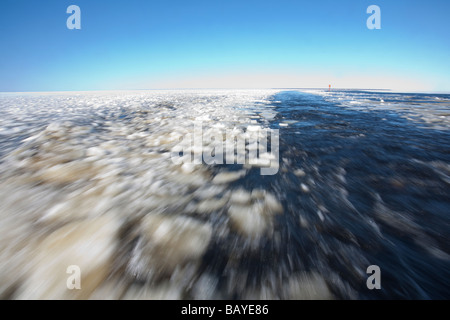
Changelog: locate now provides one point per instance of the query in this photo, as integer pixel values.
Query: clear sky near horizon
(148, 44)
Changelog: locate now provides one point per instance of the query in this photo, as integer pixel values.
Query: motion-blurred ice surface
(87, 179)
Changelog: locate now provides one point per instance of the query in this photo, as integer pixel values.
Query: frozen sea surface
(87, 179)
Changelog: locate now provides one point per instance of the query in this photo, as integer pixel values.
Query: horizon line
(218, 88)
(200, 88)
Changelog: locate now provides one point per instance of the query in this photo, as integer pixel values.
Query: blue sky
(148, 44)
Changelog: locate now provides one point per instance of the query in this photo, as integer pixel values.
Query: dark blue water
(378, 194)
